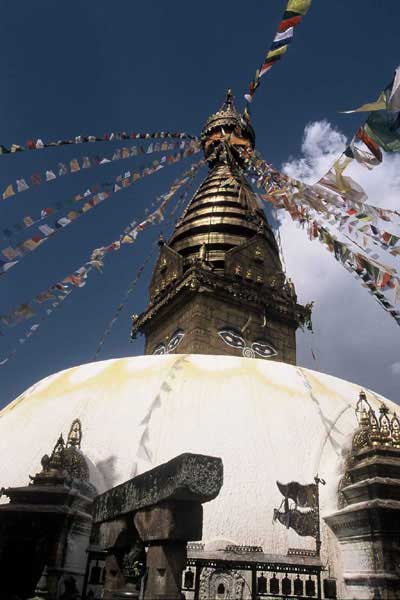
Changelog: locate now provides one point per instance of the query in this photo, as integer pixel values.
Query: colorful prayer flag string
(381, 131)
(15, 254)
(60, 290)
(38, 144)
(375, 276)
(86, 162)
(295, 11)
(121, 306)
(357, 216)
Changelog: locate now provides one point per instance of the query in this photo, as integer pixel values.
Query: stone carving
(165, 506)
(233, 337)
(188, 478)
(221, 585)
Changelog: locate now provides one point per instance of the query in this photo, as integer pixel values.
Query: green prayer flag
(384, 128)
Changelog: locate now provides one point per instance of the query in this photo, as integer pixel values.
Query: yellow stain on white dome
(268, 421)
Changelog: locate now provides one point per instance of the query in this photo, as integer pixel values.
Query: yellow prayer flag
(277, 52)
(339, 168)
(29, 244)
(9, 191)
(9, 253)
(299, 6)
(380, 104)
(127, 240)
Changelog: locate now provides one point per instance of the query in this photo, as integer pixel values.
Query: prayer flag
(29, 244)
(50, 175)
(46, 230)
(10, 253)
(384, 129)
(277, 52)
(380, 104)
(299, 6)
(289, 22)
(28, 221)
(63, 222)
(9, 191)
(36, 179)
(287, 34)
(62, 169)
(370, 143)
(394, 98)
(74, 165)
(22, 185)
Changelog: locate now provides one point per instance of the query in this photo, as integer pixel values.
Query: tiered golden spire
(224, 213)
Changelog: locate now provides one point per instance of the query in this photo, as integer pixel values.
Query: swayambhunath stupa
(210, 465)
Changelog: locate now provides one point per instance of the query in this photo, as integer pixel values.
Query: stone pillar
(162, 509)
(166, 529)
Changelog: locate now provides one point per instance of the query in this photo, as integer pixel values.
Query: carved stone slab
(188, 477)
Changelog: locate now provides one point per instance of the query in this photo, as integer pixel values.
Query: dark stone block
(170, 521)
(188, 477)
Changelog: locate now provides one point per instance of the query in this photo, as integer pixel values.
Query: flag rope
(62, 289)
(38, 144)
(14, 255)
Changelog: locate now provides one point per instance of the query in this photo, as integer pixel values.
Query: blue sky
(70, 68)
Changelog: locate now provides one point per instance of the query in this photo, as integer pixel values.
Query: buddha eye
(232, 338)
(263, 349)
(175, 340)
(160, 349)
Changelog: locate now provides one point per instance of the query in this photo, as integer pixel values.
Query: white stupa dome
(268, 421)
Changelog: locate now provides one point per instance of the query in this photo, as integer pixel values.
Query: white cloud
(321, 146)
(395, 368)
(354, 338)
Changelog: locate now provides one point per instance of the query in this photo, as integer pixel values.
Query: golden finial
(229, 98)
(75, 434)
(361, 437)
(395, 431)
(384, 425)
(375, 433)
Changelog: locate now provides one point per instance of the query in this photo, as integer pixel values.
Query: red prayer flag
(35, 179)
(292, 22)
(370, 143)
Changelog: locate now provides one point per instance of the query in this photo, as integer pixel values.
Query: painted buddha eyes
(175, 340)
(234, 338)
(264, 349)
(160, 349)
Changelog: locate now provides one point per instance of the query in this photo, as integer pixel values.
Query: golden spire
(229, 125)
(224, 212)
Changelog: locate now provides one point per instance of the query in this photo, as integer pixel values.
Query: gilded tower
(218, 285)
